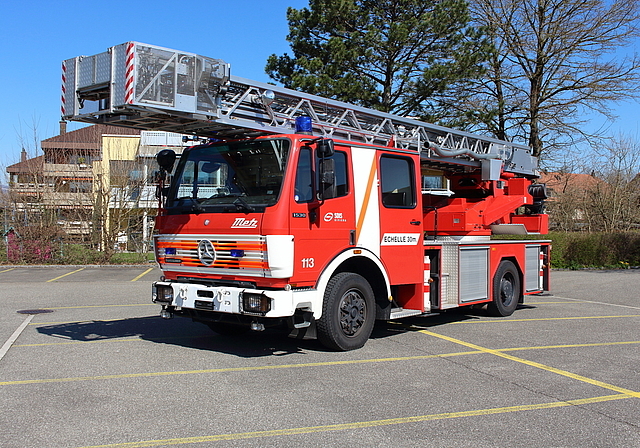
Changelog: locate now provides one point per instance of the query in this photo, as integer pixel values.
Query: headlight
(162, 293)
(255, 303)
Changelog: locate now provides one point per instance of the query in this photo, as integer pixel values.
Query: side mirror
(166, 158)
(324, 148)
(327, 187)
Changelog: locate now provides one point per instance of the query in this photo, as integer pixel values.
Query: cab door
(401, 236)
(321, 229)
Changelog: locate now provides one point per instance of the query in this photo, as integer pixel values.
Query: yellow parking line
(361, 425)
(500, 321)
(7, 270)
(70, 322)
(229, 369)
(547, 303)
(113, 340)
(97, 306)
(284, 366)
(142, 275)
(133, 339)
(545, 347)
(64, 275)
(538, 365)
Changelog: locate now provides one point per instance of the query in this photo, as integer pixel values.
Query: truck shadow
(185, 333)
(180, 332)
(456, 315)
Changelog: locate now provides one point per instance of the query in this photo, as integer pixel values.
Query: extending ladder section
(153, 88)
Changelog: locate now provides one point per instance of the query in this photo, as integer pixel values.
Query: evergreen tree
(408, 57)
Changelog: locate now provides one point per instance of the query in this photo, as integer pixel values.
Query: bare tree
(122, 201)
(614, 204)
(554, 60)
(567, 200)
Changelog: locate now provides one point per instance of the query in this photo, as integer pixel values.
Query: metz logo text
(243, 223)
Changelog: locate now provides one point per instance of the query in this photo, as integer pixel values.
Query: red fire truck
(314, 213)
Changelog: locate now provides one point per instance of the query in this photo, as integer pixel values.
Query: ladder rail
(191, 94)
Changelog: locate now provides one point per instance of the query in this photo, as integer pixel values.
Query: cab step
(399, 313)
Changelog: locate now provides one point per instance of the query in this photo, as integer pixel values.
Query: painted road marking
(142, 275)
(284, 366)
(228, 369)
(538, 365)
(499, 321)
(7, 270)
(622, 394)
(361, 425)
(64, 275)
(196, 336)
(598, 303)
(7, 345)
(130, 339)
(547, 303)
(97, 306)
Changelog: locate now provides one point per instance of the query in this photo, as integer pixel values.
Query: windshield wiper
(241, 204)
(195, 205)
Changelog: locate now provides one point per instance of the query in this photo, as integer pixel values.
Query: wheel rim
(353, 311)
(506, 289)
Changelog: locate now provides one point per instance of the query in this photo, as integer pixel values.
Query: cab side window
(304, 177)
(397, 182)
(341, 187)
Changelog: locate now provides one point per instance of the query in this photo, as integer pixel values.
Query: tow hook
(165, 313)
(257, 326)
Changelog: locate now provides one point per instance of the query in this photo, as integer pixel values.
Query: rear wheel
(506, 290)
(347, 312)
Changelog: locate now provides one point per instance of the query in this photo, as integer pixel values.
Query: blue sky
(37, 35)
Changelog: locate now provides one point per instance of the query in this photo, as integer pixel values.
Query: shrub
(609, 250)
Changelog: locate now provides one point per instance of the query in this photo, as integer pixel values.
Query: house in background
(568, 195)
(94, 183)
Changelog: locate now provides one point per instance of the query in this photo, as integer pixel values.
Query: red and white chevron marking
(64, 89)
(129, 74)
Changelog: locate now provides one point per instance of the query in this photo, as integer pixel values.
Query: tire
(348, 313)
(506, 290)
(226, 329)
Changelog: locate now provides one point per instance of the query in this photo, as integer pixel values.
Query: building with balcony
(95, 184)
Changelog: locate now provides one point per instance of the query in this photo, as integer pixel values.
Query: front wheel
(347, 312)
(506, 290)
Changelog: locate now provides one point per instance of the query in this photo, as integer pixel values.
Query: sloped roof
(34, 165)
(86, 138)
(561, 182)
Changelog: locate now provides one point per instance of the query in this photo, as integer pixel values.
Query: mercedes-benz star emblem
(206, 252)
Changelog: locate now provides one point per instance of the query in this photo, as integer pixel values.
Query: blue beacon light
(304, 125)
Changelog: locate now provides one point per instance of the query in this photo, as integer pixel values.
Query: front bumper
(232, 300)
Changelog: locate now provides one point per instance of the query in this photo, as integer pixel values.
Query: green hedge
(608, 250)
(577, 250)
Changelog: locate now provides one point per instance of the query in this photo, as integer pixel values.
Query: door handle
(415, 223)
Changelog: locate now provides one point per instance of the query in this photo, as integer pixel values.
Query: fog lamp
(255, 303)
(162, 293)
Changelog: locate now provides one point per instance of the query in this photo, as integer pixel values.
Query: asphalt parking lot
(102, 369)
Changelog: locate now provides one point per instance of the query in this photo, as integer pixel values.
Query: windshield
(243, 176)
